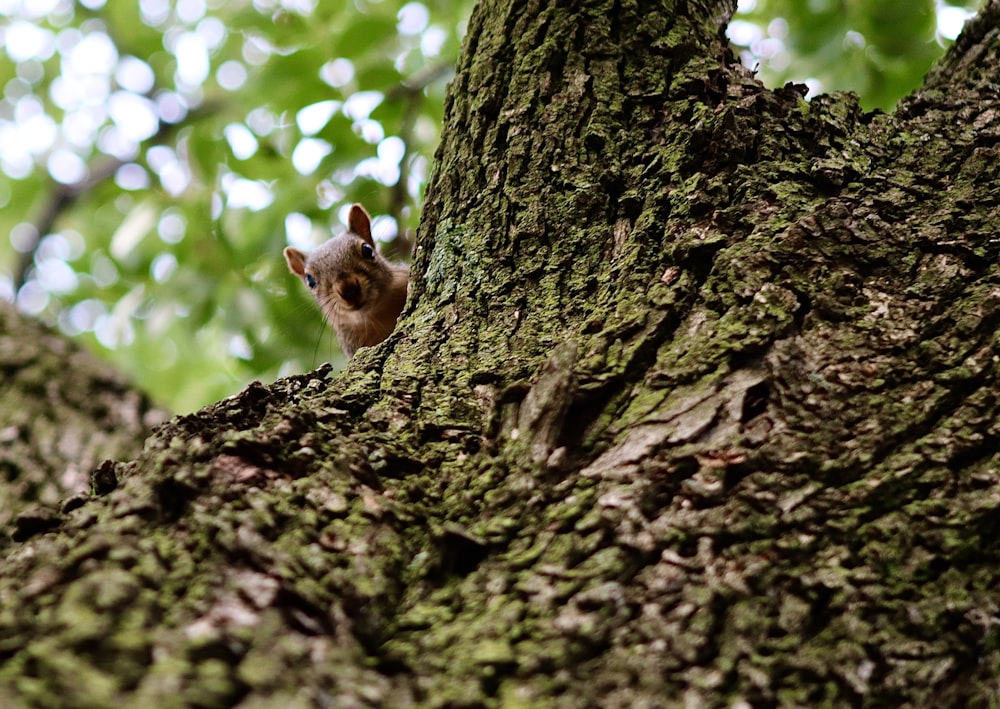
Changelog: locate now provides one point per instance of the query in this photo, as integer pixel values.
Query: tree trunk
(61, 413)
(694, 400)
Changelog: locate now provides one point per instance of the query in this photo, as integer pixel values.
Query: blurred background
(156, 156)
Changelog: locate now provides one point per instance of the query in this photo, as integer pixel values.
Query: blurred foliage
(165, 254)
(879, 49)
(157, 156)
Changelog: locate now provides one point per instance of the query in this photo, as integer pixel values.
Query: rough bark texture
(695, 401)
(61, 414)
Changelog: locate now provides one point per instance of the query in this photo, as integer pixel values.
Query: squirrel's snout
(350, 292)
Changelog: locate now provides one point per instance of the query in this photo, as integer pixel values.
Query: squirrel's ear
(358, 222)
(296, 261)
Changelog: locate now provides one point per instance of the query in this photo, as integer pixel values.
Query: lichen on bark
(55, 429)
(693, 401)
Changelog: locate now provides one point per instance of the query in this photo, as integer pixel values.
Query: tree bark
(695, 400)
(62, 412)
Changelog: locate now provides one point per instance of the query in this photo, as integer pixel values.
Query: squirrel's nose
(350, 292)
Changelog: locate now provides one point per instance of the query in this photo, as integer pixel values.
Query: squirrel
(359, 291)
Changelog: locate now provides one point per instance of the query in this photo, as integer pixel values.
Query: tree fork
(694, 400)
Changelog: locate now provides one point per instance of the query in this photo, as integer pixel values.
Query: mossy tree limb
(694, 400)
(62, 412)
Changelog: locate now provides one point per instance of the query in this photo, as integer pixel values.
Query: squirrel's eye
(368, 252)
(310, 281)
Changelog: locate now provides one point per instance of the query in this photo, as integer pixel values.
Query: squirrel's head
(345, 273)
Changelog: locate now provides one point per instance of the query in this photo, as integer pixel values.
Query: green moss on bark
(693, 403)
